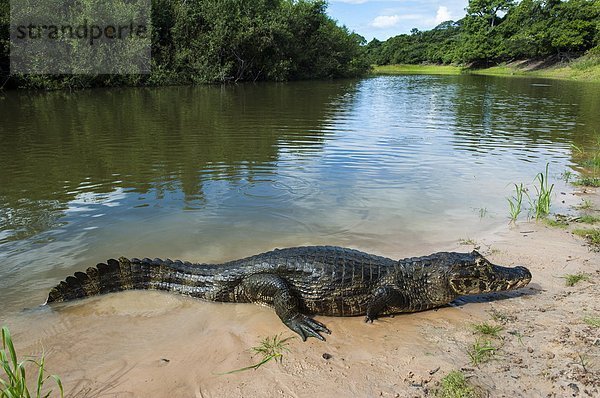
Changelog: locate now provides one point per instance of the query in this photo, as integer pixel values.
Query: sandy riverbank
(149, 344)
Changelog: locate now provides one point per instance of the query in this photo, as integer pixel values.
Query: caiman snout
(524, 277)
(477, 275)
(509, 278)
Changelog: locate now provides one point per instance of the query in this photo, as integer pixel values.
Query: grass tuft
(593, 321)
(488, 329)
(566, 175)
(456, 385)
(481, 351)
(583, 361)
(590, 159)
(518, 335)
(270, 348)
(540, 205)
(558, 222)
(591, 235)
(13, 383)
(483, 211)
(467, 242)
(587, 219)
(588, 182)
(573, 279)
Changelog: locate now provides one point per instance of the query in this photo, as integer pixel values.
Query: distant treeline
(499, 30)
(204, 41)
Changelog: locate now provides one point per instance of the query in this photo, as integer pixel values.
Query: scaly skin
(312, 280)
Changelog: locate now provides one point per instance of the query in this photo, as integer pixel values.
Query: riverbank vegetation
(420, 69)
(584, 68)
(14, 378)
(498, 32)
(199, 41)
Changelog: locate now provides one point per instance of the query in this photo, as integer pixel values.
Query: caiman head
(474, 274)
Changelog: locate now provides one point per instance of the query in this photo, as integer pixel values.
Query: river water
(394, 165)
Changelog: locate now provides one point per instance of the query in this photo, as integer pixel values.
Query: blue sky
(385, 18)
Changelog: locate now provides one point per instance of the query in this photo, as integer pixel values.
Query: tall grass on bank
(540, 205)
(515, 203)
(13, 382)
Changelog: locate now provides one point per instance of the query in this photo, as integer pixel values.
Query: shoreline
(584, 69)
(139, 343)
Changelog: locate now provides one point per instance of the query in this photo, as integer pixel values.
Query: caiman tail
(135, 274)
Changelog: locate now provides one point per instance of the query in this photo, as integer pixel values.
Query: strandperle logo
(86, 31)
(80, 36)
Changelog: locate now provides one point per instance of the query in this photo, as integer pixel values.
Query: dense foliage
(4, 34)
(199, 41)
(499, 30)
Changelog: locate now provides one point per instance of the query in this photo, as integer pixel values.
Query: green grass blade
(23, 381)
(40, 378)
(6, 365)
(9, 394)
(59, 384)
(255, 366)
(7, 343)
(12, 377)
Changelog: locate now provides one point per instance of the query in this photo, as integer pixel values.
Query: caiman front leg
(272, 290)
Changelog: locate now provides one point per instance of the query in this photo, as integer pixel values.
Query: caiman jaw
(485, 277)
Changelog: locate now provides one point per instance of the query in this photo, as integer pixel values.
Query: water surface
(395, 165)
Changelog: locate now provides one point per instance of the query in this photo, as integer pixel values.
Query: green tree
(488, 10)
(480, 38)
(523, 31)
(573, 26)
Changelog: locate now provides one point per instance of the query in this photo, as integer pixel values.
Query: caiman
(303, 281)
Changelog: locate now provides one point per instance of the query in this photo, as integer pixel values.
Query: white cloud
(442, 15)
(385, 21)
(389, 21)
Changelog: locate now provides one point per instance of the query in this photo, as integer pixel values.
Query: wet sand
(151, 344)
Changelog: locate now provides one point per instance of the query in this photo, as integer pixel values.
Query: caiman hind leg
(272, 290)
